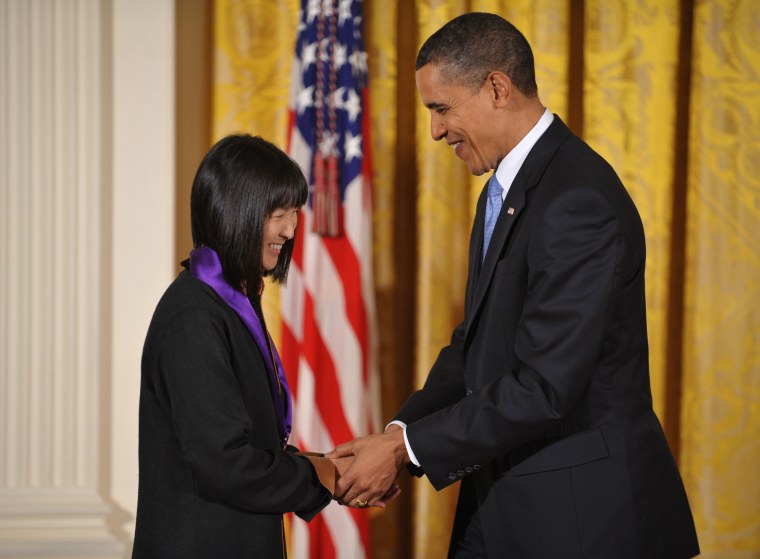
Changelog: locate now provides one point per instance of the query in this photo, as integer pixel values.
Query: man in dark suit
(541, 403)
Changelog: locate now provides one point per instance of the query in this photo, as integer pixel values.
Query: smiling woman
(216, 472)
(279, 228)
(247, 193)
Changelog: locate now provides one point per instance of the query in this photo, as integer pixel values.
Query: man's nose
(437, 128)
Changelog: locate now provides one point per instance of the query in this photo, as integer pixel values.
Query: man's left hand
(370, 478)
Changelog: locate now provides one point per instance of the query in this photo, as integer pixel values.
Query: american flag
(328, 312)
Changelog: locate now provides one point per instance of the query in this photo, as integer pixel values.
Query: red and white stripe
(328, 349)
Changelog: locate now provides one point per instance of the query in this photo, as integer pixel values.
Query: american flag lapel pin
(511, 211)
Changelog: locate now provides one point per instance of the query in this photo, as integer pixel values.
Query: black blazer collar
(527, 177)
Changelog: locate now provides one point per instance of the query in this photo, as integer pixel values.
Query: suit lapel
(514, 205)
(476, 247)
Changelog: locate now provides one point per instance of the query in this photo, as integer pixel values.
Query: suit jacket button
(468, 470)
(476, 466)
(452, 476)
(469, 391)
(460, 473)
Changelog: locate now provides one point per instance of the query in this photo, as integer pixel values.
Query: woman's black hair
(239, 183)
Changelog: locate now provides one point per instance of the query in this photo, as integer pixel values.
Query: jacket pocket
(574, 450)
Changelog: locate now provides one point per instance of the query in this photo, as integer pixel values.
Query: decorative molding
(56, 524)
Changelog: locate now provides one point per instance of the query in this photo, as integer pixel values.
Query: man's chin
(476, 171)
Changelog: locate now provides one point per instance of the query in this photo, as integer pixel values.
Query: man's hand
(369, 480)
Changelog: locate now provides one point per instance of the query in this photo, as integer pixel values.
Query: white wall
(143, 213)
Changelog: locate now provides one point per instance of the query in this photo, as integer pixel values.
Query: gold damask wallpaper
(669, 92)
(631, 58)
(720, 425)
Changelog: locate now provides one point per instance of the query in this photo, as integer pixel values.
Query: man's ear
(501, 88)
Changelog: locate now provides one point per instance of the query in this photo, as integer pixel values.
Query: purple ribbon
(205, 266)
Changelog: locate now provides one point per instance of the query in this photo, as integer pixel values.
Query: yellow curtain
(381, 38)
(630, 57)
(638, 60)
(720, 457)
(444, 217)
(254, 44)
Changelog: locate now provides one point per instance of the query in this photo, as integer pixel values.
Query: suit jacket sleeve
(443, 386)
(574, 258)
(215, 429)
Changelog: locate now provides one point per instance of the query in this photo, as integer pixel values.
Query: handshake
(366, 468)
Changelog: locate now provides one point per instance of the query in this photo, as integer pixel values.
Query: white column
(86, 247)
(53, 146)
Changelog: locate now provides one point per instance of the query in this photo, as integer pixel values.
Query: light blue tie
(493, 207)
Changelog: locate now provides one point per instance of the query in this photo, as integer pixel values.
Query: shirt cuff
(409, 450)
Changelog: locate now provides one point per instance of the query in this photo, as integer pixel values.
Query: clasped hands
(367, 468)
